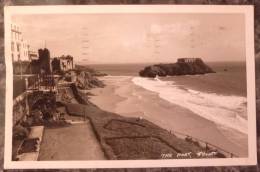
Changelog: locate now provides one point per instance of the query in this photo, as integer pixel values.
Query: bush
(20, 132)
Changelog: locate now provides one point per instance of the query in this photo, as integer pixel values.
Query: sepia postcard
(129, 86)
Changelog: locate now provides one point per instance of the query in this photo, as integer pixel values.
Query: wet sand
(125, 98)
(75, 142)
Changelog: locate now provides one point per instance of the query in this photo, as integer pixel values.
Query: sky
(136, 38)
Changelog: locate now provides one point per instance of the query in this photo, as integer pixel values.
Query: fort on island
(188, 60)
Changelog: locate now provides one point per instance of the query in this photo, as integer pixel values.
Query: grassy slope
(110, 127)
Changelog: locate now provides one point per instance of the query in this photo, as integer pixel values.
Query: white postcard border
(72, 9)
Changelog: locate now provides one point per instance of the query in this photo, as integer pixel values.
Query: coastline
(122, 96)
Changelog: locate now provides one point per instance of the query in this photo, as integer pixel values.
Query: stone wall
(20, 109)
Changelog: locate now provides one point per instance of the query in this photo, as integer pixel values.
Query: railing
(42, 83)
(204, 144)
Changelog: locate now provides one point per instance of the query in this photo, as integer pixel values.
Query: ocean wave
(117, 76)
(229, 111)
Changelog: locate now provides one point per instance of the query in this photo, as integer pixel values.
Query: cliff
(86, 80)
(190, 66)
(84, 77)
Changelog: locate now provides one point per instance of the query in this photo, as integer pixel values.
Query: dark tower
(44, 61)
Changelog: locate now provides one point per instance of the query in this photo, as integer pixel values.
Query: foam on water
(229, 111)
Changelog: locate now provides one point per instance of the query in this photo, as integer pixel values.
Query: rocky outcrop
(85, 77)
(86, 80)
(191, 66)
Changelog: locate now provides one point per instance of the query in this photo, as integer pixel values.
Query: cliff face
(84, 78)
(181, 67)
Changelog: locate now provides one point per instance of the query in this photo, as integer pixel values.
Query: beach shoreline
(122, 96)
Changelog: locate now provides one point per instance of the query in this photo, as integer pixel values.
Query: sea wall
(78, 95)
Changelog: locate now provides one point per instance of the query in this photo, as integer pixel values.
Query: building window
(12, 46)
(12, 56)
(18, 47)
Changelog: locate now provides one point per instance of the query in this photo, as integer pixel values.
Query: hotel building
(19, 47)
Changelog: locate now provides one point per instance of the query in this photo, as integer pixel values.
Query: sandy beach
(122, 96)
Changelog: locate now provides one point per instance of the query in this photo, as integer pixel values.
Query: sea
(219, 97)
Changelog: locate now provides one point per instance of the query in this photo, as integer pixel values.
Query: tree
(56, 65)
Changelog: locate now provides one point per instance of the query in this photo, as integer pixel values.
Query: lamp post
(21, 70)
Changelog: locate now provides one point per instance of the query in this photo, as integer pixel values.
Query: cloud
(126, 38)
(180, 28)
(156, 29)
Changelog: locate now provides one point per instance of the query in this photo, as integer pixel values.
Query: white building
(33, 55)
(19, 47)
(66, 63)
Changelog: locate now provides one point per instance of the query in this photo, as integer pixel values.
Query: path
(75, 142)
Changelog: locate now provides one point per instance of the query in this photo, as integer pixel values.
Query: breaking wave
(229, 111)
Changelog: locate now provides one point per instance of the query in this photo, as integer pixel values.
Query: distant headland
(183, 66)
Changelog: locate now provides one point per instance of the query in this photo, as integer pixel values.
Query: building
(188, 60)
(33, 55)
(41, 65)
(66, 63)
(62, 64)
(19, 47)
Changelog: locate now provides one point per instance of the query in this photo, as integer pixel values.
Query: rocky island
(183, 66)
